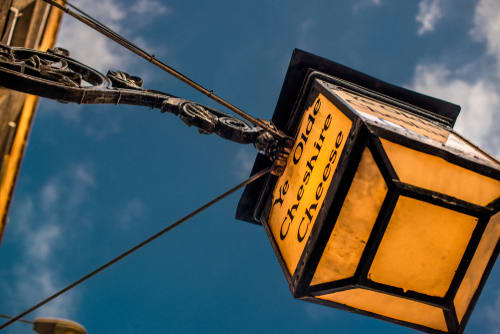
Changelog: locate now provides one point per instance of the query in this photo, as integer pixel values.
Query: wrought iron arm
(54, 75)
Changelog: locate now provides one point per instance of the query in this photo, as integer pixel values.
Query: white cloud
(83, 176)
(150, 7)
(487, 27)
(98, 51)
(479, 99)
(89, 46)
(92, 121)
(473, 85)
(42, 241)
(42, 224)
(133, 210)
(25, 214)
(108, 10)
(493, 315)
(39, 282)
(102, 129)
(429, 12)
(243, 161)
(49, 196)
(362, 4)
(94, 49)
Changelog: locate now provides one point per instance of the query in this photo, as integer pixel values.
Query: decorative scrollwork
(195, 114)
(59, 51)
(210, 121)
(6, 54)
(36, 68)
(54, 70)
(235, 129)
(53, 74)
(120, 79)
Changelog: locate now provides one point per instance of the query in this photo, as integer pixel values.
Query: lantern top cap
(302, 63)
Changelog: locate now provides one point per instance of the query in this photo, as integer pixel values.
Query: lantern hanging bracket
(55, 75)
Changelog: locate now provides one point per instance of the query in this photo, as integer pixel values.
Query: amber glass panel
(422, 247)
(434, 173)
(477, 266)
(300, 192)
(391, 307)
(354, 224)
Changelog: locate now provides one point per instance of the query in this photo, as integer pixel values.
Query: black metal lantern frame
(255, 204)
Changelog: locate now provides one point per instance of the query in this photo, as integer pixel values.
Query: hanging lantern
(382, 208)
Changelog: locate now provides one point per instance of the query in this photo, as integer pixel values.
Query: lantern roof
(302, 65)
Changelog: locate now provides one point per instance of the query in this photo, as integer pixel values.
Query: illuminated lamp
(382, 208)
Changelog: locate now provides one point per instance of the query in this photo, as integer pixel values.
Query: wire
(21, 320)
(136, 247)
(103, 29)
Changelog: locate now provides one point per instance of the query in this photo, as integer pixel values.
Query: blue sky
(97, 179)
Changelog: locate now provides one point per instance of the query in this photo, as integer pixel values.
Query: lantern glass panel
(354, 224)
(391, 307)
(436, 174)
(422, 247)
(299, 193)
(477, 266)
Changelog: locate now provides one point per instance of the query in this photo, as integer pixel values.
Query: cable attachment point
(276, 149)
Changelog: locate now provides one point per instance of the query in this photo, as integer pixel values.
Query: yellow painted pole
(13, 166)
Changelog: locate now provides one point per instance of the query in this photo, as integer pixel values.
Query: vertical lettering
(309, 126)
(283, 190)
(300, 193)
(317, 106)
(340, 138)
(319, 191)
(295, 157)
(301, 236)
(284, 234)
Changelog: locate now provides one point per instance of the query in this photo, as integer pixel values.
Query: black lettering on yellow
(340, 138)
(296, 157)
(326, 172)
(317, 105)
(283, 190)
(310, 216)
(319, 191)
(307, 175)
(300, 193)
(284, 234)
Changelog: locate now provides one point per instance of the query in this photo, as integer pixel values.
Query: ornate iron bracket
(54, 75)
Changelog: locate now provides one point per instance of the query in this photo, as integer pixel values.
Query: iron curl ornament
(55, 75)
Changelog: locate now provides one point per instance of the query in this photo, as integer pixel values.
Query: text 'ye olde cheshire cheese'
(299, 193)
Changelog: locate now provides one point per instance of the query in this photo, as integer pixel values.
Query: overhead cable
(108, 32)
(136, 247)
(5, 316)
